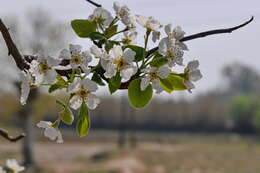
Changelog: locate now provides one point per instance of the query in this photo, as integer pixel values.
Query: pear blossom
(14, 166)
(129, 37)
(148, 22)
(101, 16)
(123, 13)
(121, 61)
(153, 75)
(2, 170)
(42, 69)
(192, 74)
(76, 57)
(100, 54)
(25, 86)
(171, 51)
(82, 91)
(51, 132)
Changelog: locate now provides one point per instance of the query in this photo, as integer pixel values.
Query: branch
(12, 49)
(5, 134)
(94, 3)
(207, 33)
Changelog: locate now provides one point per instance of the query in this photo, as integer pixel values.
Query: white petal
(193, 65)
(142, 20)
(75, 49)
(145, 82)
(156, 85)
(75, 102)
(129, 55)
(195, 75)
(92, 101)
(168, 29)
(164, 72)
(65, 54)
(189, 85)
(59, 138)
(87, 57)
(178, 33)
(127, 73)
(110, 70)
(156, 36)
(96, 51)
(116, 6)
(74, 86)
(104, 63)
(50, 133)
(52, 61)
(44, 124)
(25, 87)
(116, 52)
(50, 76)
(89, 85)
(85, 69)
(163, 47)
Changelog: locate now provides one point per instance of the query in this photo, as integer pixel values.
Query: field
(155, 153)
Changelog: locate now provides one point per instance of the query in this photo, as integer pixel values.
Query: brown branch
(12, 49)
(207, 33)
(5, 135)
(94, 3)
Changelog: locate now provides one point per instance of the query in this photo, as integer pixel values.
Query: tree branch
(94, 3)
(5, 135)
(207, 33)
(12, 49)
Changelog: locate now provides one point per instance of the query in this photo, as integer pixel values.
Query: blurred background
(216, 129)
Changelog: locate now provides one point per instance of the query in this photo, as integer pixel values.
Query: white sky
(194, 16)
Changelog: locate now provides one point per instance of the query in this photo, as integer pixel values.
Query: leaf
(53, 88)
(96, 78)
(114, 83)
(97, 36)
(110, 44)
(83, 28)
(140, 52)
(173, 82)
(61, 83)
(66, 114)
(136, 96)
(111, 31)
(158, 62)
(83, 123)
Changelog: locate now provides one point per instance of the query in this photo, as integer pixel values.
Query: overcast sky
(194, 16)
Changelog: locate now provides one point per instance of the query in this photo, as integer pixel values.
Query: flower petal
(89, 85)
(129, 55)
(75, 102)
(25, 87)
(92, 101)
(145, 82)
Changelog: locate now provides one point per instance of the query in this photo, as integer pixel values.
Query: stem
(148, 32)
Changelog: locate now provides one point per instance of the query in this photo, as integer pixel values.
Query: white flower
(77, 58)
(101, 16)
(129, 37)
(43, 70)
(171, 51)
(2, 170)
(50, 132)
(123, 13)
(14, 166)
(25, 86)
(82, 91)
(192, 74)
(148, 22)
(156, 36)
(177, 34)
(121, 61)
(153, 75)
(100, 54)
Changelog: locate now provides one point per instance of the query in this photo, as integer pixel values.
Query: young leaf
(158, 62)
(140, 52)
(114, 83)
(97, 36)
(83, 28)
(96, 78)
(136, 96)
(111, 31)
(83, 123)
(60, 83)
(172, 83)
(66, 114)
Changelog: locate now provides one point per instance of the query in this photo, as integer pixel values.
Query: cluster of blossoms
(117, 62)
(11, 167)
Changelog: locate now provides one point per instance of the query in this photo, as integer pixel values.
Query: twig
(207, 33)
(5, 134)
(94, 3)
(12, 49)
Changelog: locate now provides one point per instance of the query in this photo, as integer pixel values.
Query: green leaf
(96, 78)
(83, 28)
(173, 82)
(54, 87)
(111, 31)
(114, 83)
(97, 36)
(110, 44)
(66, 114)
(136, 96)
(140, 52)
(158, 62)
(61, 83)
(83, 123)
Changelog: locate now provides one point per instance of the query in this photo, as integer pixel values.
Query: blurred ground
(178, 153)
